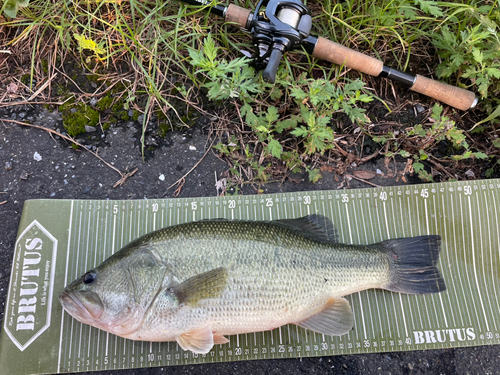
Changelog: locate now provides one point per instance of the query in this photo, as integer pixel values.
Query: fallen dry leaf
(364, 174)
(12, 88)
(326, 168)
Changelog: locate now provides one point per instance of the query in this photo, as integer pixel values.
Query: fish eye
(89, 277)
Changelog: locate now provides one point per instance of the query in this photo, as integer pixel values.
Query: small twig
(37, 92)
(182, 179)
(3, 202)
(366, 158)
(440, 168)
(366, 182)
(123, 176)
(26, 102)
(64, 74)
(177, 191)
(239, 115)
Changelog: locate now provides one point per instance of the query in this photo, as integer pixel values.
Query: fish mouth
(87, 307)
(88, 312)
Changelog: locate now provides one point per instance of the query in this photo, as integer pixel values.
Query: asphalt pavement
(35, 164)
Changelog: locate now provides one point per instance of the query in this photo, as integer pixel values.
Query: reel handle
(269, 73)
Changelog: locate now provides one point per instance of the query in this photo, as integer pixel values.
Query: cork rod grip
(237, 15)
(330, 51)
(451, 95)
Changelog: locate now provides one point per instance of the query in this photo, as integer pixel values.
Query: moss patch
(76, 116)
(105, 103)
(135, 115)
(116, 110)
(45, 66)
(26, 79)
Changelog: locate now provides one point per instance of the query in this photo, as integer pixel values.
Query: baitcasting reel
(281, 27)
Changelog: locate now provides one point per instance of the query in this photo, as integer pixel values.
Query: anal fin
(219, 339)
(335, 319)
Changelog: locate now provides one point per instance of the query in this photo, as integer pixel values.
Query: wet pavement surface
(36, 164)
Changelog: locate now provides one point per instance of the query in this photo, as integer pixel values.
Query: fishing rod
(279, 26)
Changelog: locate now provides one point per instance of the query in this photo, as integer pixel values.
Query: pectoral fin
(198, 341)
(206, 285)
(335, 319)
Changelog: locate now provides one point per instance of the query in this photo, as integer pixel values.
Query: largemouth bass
(195, 283)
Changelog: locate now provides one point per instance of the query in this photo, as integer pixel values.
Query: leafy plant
(318, 136)
(310, 121)
(430, 7)
(326, 97)
(11, 7)
(233, 79)
(442, 128)
(170, 52)
(229, 148)
(472, 52)
(89, 44)
(266, 125)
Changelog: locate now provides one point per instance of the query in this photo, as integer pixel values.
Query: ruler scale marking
(399, 294)
(466, 262)
(446, 250)
(427, 226)
(384, 293)
(483, 256)
(365, 240)
(491, 246)
(373, 240)
(419, 226)
(351, 241)
(498, 240)
(65, 283)
(401, 220)
(74, 277)
(83, 353)
(474, 266)
(359, 294)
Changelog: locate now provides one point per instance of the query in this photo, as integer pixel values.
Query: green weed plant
(173, 50)
(316, 100)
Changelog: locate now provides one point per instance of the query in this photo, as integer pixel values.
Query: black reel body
(282, 27)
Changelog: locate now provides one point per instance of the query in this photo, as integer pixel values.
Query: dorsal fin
(315, 227)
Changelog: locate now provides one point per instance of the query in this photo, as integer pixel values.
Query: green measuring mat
(59, 240)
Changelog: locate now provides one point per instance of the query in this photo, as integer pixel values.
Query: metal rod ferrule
(310, 43)
(396, 75)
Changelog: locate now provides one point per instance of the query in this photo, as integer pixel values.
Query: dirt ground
(35, 164)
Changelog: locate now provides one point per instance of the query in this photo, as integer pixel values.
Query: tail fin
(413, 265)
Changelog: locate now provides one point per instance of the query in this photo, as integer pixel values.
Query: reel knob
(269, 73)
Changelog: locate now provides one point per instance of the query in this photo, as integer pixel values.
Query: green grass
(162, 53)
